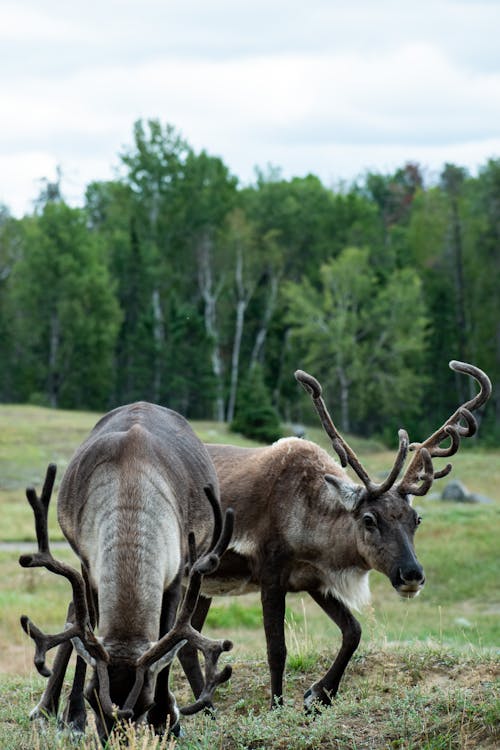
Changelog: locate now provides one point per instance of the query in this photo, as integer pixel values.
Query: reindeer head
(120, 678)
(385, 521)
(120, 689)
(123, 680)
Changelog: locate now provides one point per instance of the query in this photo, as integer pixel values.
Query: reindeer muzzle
(408, 582)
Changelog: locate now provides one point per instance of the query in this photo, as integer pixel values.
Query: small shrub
(255, 416)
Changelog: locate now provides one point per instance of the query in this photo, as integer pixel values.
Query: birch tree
(361, 336)
(207, 195)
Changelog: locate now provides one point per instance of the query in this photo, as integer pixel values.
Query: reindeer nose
(413, 575)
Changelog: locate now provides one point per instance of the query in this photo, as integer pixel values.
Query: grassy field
(425, 676)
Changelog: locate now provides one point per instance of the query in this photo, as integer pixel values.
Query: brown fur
(296, 532)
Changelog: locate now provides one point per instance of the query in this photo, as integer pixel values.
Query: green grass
(31, 437)
(391, 697)
(425, 676)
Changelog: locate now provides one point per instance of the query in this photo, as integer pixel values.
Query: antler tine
(481, 377)
(212, 681)
(217, 512)
(42, 503)
(425, 476)
(44, 642)
(183, 631)
(398, 465)
(43, 558)
(342, 449)
(211, 649)
(420, 468)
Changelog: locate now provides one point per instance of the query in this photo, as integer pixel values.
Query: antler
(420, 473)
(343, 449)
(81, 629)
(163, 652)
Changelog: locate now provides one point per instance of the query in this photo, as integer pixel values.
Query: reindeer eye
(369, 521)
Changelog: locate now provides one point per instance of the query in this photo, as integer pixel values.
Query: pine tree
(255, 416)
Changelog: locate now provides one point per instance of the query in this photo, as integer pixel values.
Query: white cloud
(323, 87)
(20, 182)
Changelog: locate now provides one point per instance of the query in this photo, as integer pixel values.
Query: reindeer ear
(349, 495)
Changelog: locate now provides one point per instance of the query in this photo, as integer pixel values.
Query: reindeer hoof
(72, 724)
(310, 702)
(40, 714)
(177, 730)
(315, 699)
(69, 732)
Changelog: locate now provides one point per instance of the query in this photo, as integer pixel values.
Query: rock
(475, 497)
(299, 430)
(457, 492)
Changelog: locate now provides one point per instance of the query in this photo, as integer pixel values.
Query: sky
(317, 86)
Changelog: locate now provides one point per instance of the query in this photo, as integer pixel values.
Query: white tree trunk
(344, 399)
(210, 296)
(261, 336)
(241, 306)
(55, 331)
(159, 338)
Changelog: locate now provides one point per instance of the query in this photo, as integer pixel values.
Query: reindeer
(137, 503)
(303, 525)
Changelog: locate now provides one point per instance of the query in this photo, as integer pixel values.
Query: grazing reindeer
(303, 525)
(138, 499)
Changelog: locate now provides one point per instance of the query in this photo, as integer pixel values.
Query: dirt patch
(18, 660)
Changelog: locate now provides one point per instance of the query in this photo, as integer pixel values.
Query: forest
(174, 283)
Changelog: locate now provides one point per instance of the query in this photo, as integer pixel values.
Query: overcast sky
(333, 88)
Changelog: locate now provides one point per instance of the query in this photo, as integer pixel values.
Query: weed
(302, 655)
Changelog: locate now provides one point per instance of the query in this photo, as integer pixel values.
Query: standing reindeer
(303, 525)
(138, 499)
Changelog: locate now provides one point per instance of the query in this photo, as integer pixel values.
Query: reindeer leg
(325, 689)
(75, 714)
(188, 655)
(165, 711)
(273, 608)
(48, 704)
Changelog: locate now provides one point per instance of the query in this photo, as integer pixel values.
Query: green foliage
(174, 280)
(362, 336)
(62, 312)
(255, 416)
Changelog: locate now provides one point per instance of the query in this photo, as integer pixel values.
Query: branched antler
(342, 448)
(163, 652)
(81, 629)
(420, 472)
